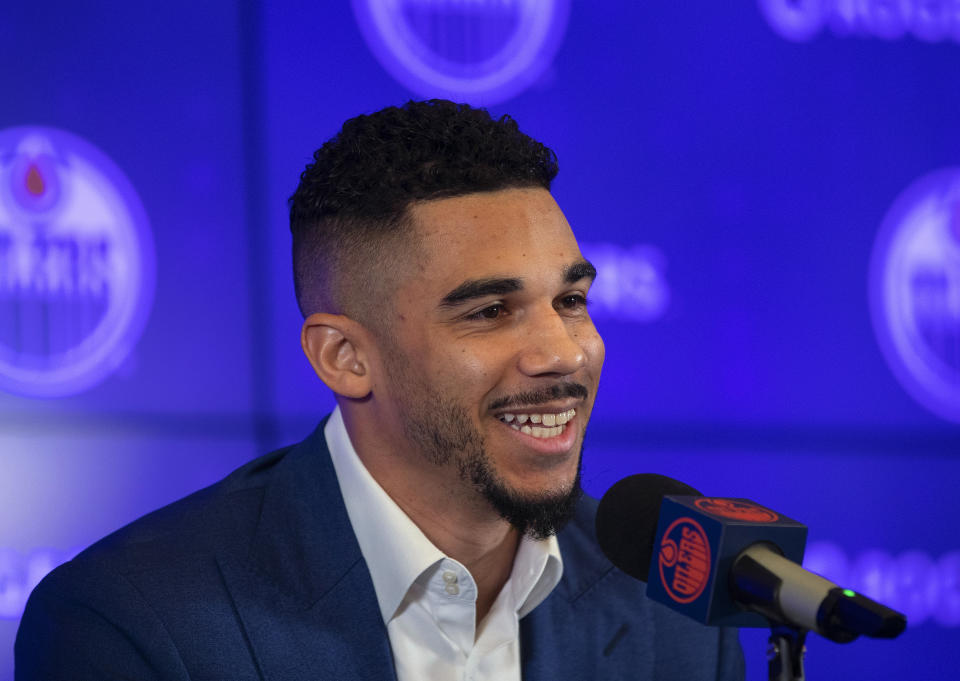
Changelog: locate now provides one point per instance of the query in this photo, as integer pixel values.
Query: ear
(336, 347)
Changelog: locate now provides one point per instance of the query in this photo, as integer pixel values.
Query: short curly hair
(354, 198)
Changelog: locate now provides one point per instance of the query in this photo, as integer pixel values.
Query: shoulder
(207, 520)
(114, 609)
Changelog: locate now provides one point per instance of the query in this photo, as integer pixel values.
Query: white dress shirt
(427, 600)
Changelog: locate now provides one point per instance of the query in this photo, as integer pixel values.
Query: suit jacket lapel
(577, 632)
(302, 590)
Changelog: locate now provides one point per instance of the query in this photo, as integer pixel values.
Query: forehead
(512, 232)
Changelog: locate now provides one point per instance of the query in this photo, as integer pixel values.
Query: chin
(539, 514)
(540, 506)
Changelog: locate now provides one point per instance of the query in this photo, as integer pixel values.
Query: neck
(485, 545)
(448, 510)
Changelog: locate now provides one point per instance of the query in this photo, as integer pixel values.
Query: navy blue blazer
(260, 577)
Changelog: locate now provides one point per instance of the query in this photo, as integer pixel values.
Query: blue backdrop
(769, 189)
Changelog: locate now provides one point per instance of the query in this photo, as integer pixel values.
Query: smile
(539, 425)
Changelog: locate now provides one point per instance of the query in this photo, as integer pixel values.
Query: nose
(550, 346)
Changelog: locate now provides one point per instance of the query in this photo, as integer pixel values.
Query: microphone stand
(785, 654)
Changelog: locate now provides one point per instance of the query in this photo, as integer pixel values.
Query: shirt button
(452, 589)
(450, 577)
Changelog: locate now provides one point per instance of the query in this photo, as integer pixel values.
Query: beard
(443, 432)
(537, 516)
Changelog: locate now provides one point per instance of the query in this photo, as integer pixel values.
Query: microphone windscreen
(627, 519)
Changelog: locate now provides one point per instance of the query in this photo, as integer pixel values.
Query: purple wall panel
(730, 182)
(162, 101)
(157, 90)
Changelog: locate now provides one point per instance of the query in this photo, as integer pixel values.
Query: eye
(573, 301)
(495, 311)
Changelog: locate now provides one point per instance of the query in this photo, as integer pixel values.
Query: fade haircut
(349, 215)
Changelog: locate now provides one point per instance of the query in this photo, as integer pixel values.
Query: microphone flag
(697, 540)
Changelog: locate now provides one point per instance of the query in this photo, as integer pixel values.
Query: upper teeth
(546, 419)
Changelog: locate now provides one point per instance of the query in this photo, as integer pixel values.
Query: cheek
(466, 365)
(470, 371)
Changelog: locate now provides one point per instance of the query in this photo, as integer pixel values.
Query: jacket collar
(572, 632)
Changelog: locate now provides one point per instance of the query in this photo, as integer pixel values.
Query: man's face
(492, 361)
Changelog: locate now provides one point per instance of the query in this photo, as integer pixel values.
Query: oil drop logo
(76, 263)
(478, 51)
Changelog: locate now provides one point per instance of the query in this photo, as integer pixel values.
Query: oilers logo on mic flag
(737, 509)
(684, 560)
(697, 539)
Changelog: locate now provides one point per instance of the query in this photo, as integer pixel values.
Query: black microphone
(728, 562)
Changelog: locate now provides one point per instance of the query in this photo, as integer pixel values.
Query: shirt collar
(396, 550)
(537, 569)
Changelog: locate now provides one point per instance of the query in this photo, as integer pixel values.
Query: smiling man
(432, 527)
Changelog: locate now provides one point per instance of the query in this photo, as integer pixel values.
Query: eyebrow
(582, 269)
(500, 286)
(478, 288)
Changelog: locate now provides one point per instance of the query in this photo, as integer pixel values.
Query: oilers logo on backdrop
(923, 586)
(684, 560)
(802, 20)
(479, 51)
(76, 263)
(915, 291)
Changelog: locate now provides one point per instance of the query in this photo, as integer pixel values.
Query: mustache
(535, 397)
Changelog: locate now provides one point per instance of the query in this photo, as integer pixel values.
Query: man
(432, 527)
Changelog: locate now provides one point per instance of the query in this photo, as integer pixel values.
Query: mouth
(540, 425)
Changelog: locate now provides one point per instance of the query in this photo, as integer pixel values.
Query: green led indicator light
(848, 593)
